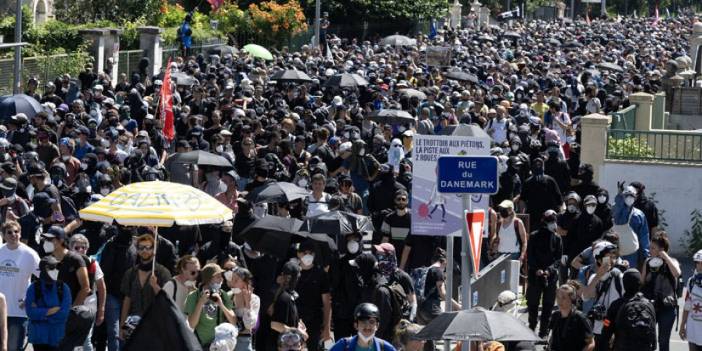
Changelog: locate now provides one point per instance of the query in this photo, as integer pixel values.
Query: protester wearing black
(510, 184)
(558, 169)
(631, 318)
(544, 252)
(583, 230)
(660, 276)
(374, 290)
(604, 209)
(314, 301)
(221, 245)
(282, 315)
(587, 185)
(647, 206)
(540, 192)
(345, 287)
(379, 201)
(570, 328)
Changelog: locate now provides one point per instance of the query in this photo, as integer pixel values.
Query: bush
(629, 147)
(276, 23)
(692, 238)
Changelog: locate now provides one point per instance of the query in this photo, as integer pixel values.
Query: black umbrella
(277, 192)
(462, 76)
(201, 158)
(346, 80)
(181, 78)
(477, 324)
(398, 40)
(486, 37)
(291, 75)
(391, 117)
(413, 93)
(554, 41)
(573, 44)
(11, 105)
(512, 34)
(274, 235)
(610, 66)
(337, 224)
(224, 50)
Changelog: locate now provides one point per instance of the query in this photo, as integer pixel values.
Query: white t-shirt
(499, 134)
(693, 305)
(182, 292)
(16, 269)
(317, 207)
(92, 299)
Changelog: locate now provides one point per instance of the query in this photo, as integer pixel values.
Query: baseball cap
(590, 200)
(55, 232)
(507, 204)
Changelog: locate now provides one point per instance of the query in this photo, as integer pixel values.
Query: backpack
(636, 324)
(398, 301)
(38, 296)
(419, 278)
(175, 288)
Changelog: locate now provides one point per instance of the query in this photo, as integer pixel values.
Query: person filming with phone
(209, 306)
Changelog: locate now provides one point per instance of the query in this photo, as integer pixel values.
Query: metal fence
(624, 119)
(45, 68)
(198, 48)
(675, 146)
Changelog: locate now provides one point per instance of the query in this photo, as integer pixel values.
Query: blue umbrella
(11, 105)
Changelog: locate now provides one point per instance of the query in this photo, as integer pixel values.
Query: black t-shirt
(569, 333)
(284, 311)
(312, 284)
(404, 279)
(434, 275)
(67, 271)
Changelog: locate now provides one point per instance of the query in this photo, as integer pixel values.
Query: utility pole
(18, 49)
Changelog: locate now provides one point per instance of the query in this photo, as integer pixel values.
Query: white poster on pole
(434, 213)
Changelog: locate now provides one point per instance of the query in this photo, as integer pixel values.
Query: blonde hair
(405, 331)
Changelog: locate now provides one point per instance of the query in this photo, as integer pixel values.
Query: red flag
(166, 102)
(215, 4)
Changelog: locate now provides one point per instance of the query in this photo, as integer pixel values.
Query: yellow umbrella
(159, 204)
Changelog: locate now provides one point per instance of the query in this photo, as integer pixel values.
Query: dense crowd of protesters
(597, 261)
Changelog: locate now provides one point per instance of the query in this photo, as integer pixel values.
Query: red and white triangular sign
(474, 224)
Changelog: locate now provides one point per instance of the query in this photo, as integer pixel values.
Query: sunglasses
(12, 231)
(80, 247)
(400, 199)
(145, 248)
(290, 339)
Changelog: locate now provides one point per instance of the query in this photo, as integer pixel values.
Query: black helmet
(366, 311)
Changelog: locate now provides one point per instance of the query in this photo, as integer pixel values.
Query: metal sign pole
(449, 282)
(466, 266)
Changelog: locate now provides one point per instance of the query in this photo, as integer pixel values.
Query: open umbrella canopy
(160, 204)
(477, 324)
(398, 40)
(391, 117)
(274, 235)
(258, 51)
(291, 75)
(11, 105)
(413, 93)
(201, 158)
(224, 50)
(609, 66)
(337, 224)
(512, 34)
(182, 78)
(277, 192)
(462, 76)
(346, 80)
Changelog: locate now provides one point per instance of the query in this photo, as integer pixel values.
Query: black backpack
(636, 324)
(398, 300)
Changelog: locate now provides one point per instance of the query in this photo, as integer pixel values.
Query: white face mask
(515, 147)
(362, 152)
(215, 286)
(65, 157)
(228, 275)
(48, 246)
(189, 283)
(83, 166)
(219, 148)
(53, 274)
(352, 246)
(590, 209)
(572, 208)
(365, 339)
(104, 191)
(236, 291)
(307, 260)
(601, 199)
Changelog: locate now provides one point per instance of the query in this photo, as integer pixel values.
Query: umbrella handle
(153, 261)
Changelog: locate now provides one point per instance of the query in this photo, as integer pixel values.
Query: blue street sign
(467, 174)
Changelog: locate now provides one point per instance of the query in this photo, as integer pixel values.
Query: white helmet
(697, 257)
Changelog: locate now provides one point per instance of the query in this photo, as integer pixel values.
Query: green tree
(119, 11)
